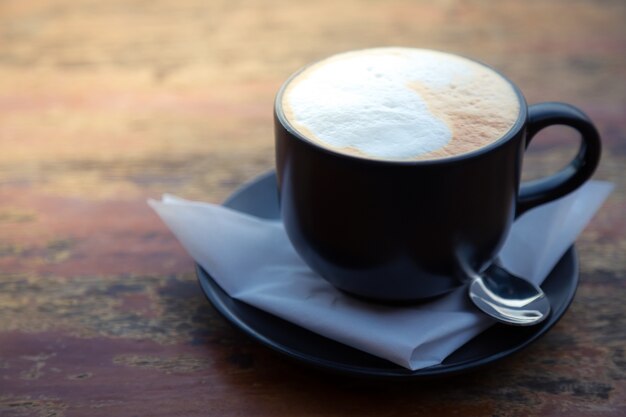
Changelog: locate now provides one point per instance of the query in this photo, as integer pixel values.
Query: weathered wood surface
(106, 103)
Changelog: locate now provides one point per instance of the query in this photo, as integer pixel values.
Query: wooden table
(106, 103)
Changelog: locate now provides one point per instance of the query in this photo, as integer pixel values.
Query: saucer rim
(212, 292)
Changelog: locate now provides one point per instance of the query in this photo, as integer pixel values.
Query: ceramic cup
(399, 230)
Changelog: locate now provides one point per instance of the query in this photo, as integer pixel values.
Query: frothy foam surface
(400, 104)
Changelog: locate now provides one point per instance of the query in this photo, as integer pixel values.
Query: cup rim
(510, 134)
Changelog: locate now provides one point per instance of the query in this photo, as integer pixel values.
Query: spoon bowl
(508, 298)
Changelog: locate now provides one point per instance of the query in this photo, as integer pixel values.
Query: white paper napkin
(253, 261)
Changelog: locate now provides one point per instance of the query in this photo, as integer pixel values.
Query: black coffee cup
(399, 231)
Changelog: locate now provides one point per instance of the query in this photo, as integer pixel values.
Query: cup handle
(540, 191)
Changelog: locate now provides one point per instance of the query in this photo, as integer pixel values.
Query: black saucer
(259, 198)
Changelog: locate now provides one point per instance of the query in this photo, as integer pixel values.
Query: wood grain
(104, 104)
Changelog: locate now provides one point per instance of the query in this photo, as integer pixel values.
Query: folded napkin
(253, 261)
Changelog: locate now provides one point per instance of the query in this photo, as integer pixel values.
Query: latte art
(400, 104)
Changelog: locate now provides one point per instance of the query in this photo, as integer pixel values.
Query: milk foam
(400, 104)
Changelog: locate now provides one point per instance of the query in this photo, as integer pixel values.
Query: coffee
(400, 104)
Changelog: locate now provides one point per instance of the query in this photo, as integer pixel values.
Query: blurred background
(129, 98)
